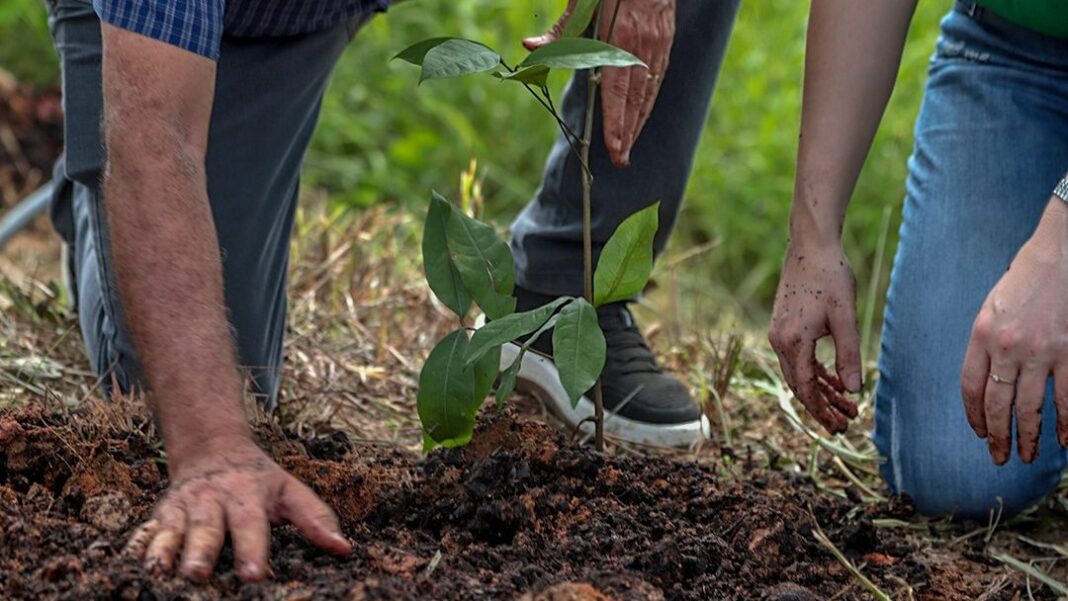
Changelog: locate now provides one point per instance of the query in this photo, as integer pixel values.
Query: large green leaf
(508, 328)
(415, 53)
(456, 57)
(484, 262)
(446, 392)
(441, 273)
(627, 258)
(578, 348)
(581, 15)
(580, 53)
(535, 75)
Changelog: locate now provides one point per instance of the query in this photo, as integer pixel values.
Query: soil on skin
(520, 514)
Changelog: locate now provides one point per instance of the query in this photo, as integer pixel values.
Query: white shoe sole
(538, 376)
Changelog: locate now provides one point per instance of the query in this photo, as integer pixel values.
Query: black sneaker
(643, 403)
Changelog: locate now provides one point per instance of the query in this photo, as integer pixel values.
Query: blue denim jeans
(991, 144)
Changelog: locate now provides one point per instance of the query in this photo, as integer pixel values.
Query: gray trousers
(547, 235)
(267, 100)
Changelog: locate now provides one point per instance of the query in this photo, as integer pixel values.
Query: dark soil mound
(518, 515)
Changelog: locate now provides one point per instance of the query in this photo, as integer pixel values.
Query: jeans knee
(969, 485)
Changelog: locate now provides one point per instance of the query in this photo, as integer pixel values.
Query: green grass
(383, 139)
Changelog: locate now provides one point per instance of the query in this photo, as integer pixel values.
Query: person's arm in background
(157, 106)
(851, 62)
(646, 29)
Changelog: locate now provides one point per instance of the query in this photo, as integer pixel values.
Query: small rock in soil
(788, 591)
(109, 512)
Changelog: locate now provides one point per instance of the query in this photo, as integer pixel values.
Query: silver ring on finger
(1002, 380)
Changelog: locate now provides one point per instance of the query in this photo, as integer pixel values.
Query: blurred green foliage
(385, 139)
(25, 44)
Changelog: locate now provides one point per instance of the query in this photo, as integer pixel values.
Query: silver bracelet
(1061, 191)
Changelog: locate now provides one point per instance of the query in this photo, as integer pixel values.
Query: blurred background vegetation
(383, 140)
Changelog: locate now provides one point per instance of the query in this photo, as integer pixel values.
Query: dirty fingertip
(534, 42)
(196, 570)
(341, 544)
(999, 456)
(250, 572)
(854, 382)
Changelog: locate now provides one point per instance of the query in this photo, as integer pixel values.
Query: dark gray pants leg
(547, 235)
(267, 100)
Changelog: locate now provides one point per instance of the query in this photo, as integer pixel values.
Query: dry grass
(361, 320)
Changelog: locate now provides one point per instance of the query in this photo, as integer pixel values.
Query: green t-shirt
(1044, 16)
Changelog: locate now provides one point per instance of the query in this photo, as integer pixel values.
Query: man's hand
(236, 489)
(1019, 339)
(815, 298)
(646, 29)
(157, 108)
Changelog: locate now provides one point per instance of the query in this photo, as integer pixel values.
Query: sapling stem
(592, 79)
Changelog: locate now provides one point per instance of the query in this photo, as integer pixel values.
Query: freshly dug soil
(520, 514)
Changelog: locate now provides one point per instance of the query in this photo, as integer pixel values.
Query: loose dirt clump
(520, 514)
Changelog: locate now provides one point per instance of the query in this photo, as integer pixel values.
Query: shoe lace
(628, 351)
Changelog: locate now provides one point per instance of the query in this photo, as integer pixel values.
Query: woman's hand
(816, 298)
(646, 29)
(1019, 339)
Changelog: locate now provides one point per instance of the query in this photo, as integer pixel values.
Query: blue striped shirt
(198, 25)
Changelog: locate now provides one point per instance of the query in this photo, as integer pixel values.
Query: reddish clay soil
(518, 515)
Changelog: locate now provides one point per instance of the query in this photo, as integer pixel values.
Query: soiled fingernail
(853, 382)
(153, 565)
(250, 571)
(197, 569)
(341, 540)
(999, 457)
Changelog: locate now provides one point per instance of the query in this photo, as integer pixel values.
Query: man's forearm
(851, 61)
(167, 263)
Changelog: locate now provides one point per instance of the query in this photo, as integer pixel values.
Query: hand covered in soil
(1021, 336)
(236, 489)
(646, 29)
(816, 297)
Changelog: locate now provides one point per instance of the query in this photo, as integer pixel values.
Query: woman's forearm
(851, 61)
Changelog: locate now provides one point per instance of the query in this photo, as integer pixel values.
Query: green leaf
(428, 443)
(510, 327)
(415, 53)
(508, 376)
(581, 15)
(446, 392)
(485, 372)
(627, 258)
(580, 53)
(441, 273)
(578, 348)
(535, 75)
(484, 262)
(456, 57)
